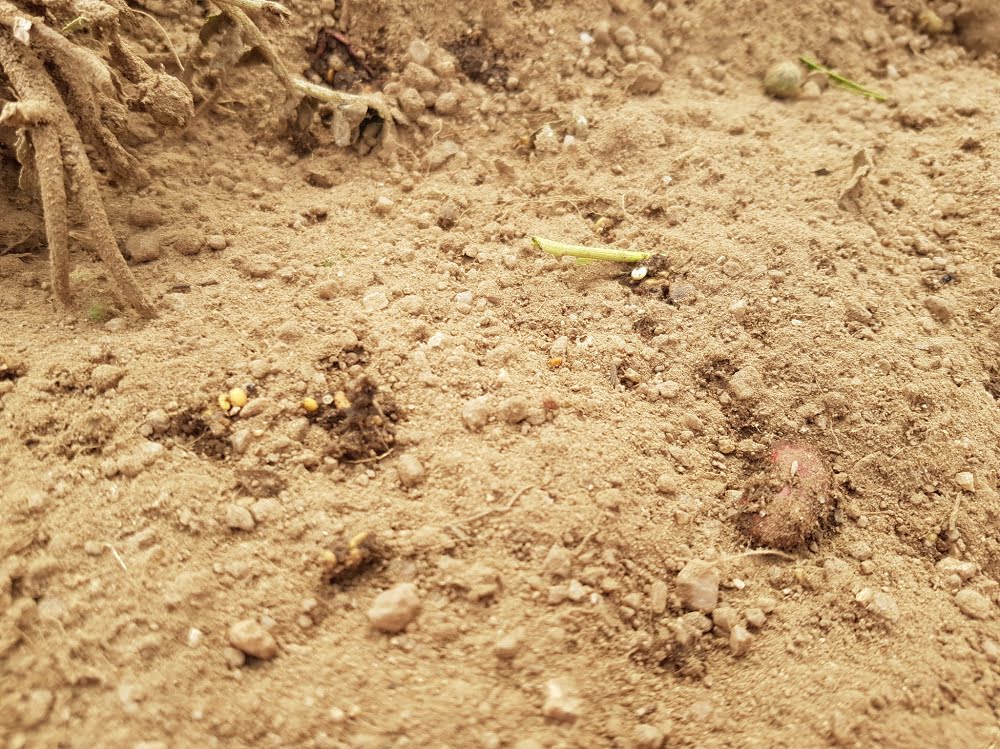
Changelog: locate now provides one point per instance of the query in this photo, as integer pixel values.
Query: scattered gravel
(393, 609)
(250, 637)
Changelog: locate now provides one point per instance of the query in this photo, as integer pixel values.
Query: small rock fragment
(508, 646)
(878, 602)
(239, 518)
(558, 562)
(648, 737)
(106, 376)
(952, 566)
(476, 413)
(698, 585)
(740, 640)
(755, 617)
(250, 637)
(383, 204)
(410, 470)
(746, 383)
(393, 609)
(966, 480)
(561, 701)
(440, 153)
(514, 410)
(658, 597)
(973, 604)
(643, 78)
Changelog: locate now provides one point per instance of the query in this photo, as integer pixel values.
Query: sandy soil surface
(518, 509)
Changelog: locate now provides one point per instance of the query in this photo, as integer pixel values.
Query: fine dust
(454, 507)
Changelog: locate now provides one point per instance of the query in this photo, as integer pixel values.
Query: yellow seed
(310, 404)
(224, 403)
(238, 397)
(555, 361)
(340, 400)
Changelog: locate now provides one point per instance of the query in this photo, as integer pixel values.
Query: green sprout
(586, 255)
(838, 80)
(98, 310)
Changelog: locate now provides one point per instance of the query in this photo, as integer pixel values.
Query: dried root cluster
(69, 82)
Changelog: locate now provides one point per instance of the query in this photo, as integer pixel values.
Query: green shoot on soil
(586, 255)
(838, 80)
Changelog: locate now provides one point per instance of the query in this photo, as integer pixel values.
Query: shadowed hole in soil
(362, 424)
(207, 434)
(478, 59)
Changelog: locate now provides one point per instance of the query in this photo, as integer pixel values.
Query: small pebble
(446, 103)
(966, 480)
(375, 300)
(973, 604)
(698, 585)
(393, 609)
(645, 79)
(383, 205)
(561, 701)
(648, 737)
(513, 410)
(558, 562)
(216, 242)
(476, 413)
(239, 518)
(419, 51)
(508, 646)
(410, 470)
(740, 640)
(250, 637)
(624, 35)
(755, 617)
(106, 376)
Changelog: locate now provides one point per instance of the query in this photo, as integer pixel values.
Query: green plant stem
(838, 80)
(589, 254)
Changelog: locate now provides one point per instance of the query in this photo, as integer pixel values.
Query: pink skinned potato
(783, 506)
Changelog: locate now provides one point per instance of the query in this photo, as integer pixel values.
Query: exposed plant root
(58, 148)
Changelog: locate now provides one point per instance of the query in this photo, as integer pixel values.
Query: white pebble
(476, 413)
(383, 205)
(561, 701)
(966, 480)
(375, 301)
(698, 585)
(419, 51)
(463, 297)
(393, 609)
(250, 637)
(194, 637)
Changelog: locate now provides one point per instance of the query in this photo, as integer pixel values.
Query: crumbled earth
(552, 464)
